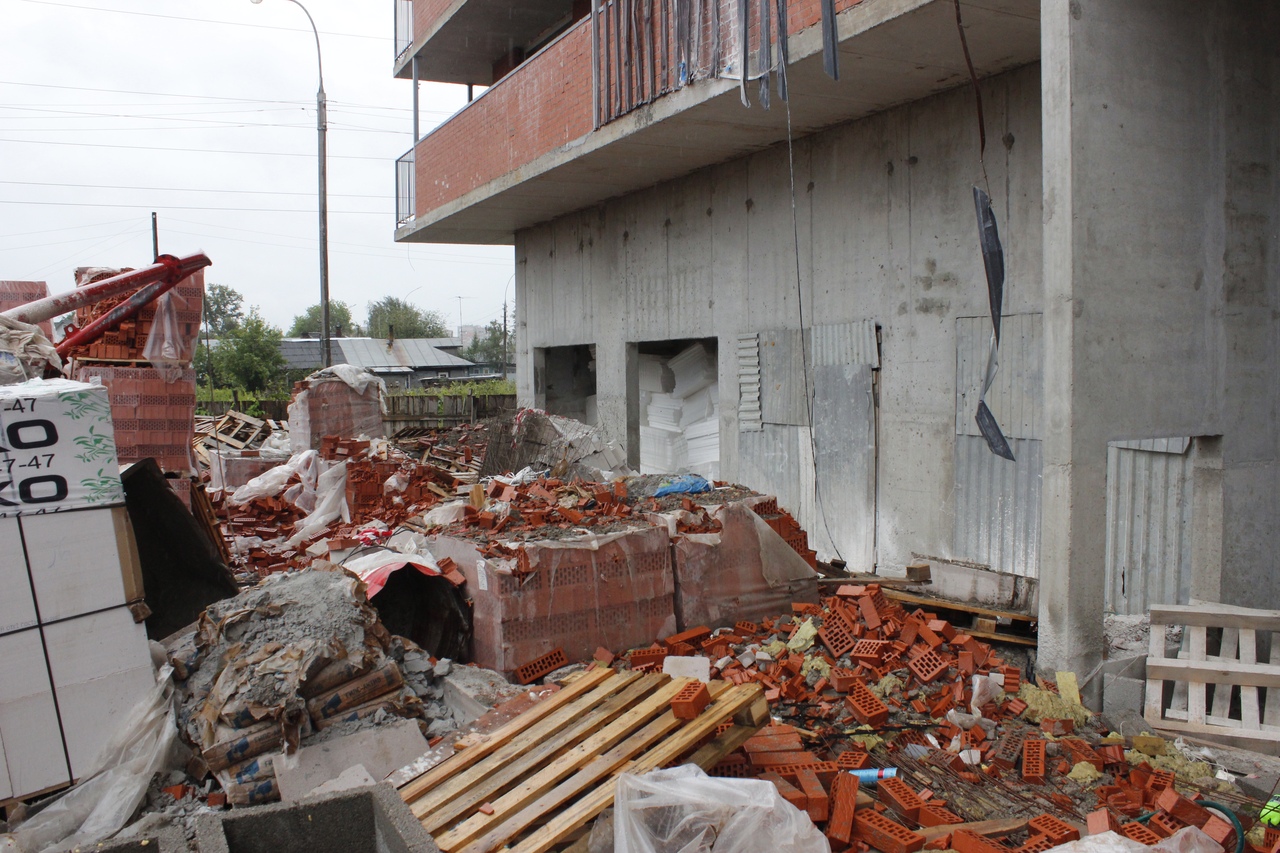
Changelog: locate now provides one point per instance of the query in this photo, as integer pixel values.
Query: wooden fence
(419, 411)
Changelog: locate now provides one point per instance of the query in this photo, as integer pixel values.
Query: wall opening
(674, 398)
(565, 381)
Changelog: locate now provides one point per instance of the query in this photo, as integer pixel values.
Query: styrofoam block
(76, 560)
(17, 609)
(101, 667)
(32, 744)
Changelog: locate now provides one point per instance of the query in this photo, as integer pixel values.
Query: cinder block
(1121, 693)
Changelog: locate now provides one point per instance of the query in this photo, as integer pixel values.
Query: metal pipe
(131, 306)
(166, 266)
(416, 134)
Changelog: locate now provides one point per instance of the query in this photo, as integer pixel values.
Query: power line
(191, 207)
(392, 256)
(228, 98)
(61, 229)
(191, 150)
(202, 20)
(187, 189)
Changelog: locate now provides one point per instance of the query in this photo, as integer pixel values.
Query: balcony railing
(643, 49)
(406, 183)
(404, 26)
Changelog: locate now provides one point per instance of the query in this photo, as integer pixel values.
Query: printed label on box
(57, 448)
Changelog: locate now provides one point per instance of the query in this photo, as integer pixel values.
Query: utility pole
(504, 339)
(155, 236)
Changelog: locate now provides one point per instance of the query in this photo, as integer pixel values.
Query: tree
(308, 324)
(488, 347)
(223, 309)
(248, 356)
(409, 320)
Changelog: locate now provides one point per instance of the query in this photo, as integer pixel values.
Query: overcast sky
(204, 112)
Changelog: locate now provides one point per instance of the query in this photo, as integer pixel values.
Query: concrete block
(363, 821)
(471, 692)
(985, 587)
(687, 667)
(1121, 693)
(380, 751)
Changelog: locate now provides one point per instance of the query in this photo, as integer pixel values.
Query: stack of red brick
(153, 417)
(17, 293)
(127, 341)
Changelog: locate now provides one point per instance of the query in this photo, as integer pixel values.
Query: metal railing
(404, 26)
(406, 181)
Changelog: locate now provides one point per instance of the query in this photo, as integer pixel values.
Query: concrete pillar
(1206, 519)
(1073, 506)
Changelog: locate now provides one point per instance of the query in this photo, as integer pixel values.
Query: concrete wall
(886, 232)
(1160, 281)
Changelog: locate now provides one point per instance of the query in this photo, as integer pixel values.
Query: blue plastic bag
(685, 484)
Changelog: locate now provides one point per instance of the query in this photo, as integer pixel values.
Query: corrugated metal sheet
(1155, 445)
(844, 437)
(1149, 507)
(1017, 396)
(406, 352)
(844, 343)
(997, 519)
(782, 379)
(749, 415)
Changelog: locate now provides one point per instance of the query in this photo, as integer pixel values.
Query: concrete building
(824, 255)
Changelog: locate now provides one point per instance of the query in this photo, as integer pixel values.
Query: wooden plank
(540, 783)
(1249, 710)
(998, 637)
(1196, 689)
(1263, 741)
(591, 804)
(946, 604)
(1217, 672)
(1211, 615)
(726, 742)
(1271, 715)
(986, 828)
(1227, 651)
(461, 781)
(417, 787)
(1154, 705)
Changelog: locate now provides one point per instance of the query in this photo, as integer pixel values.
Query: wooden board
(962, 606)
(542, 779)
(1206, 686)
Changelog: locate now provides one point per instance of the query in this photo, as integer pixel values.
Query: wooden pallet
(548, 773)
(1228, 696)
(974, 620)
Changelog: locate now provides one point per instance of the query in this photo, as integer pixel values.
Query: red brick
(1057, 831)
(1139, 833)
(844, 803)
(866, 706)
(1101, 821)
(883, 834)
(1187, 812)
(853, 759)
(837, 640)
(1221, 831)
(934, 814)
(968, 841)
(789, 792)
(927, 665)
(818, 803)
(1033, 758)
(535, 669)
(898, 796)
(1164, 825)
(692, 699)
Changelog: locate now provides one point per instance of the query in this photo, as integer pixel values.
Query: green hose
(1231, 816)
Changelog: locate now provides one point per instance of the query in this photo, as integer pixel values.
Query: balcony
(602, 111)
(464, 41)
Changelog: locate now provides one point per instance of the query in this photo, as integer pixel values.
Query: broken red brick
(818, 803)
(1056, 830)
(1139, 833)
(1101, 821)
(535, 669)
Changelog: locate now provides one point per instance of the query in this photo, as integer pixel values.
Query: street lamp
(321, 128)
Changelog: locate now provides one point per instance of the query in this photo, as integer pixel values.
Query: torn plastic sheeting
(24, 352)
(165, 349)
(375, 568)
(269, 484)
(141, 746)
(330, 505)
(683, 810)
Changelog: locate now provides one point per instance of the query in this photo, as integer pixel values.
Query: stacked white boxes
(680, 406)
(73, 660)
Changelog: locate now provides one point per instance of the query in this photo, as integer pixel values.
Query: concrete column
(1071, 540)
(1206, 519)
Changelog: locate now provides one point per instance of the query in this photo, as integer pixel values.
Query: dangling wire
(977, 96)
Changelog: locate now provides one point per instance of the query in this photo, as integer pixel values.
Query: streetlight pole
(322, 125)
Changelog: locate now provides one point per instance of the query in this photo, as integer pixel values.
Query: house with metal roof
(403, 364)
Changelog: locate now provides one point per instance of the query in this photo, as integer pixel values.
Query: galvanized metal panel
(782, 378)
(1149, 506)
(749, 415)
(844, 444)
(1156, 445)
(997, 520)
(844, 343)
(1017, 396)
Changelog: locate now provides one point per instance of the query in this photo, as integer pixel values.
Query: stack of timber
(537, 783)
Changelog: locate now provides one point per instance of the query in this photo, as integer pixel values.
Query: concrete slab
(381, 751)
(470, 692)
(371, 820)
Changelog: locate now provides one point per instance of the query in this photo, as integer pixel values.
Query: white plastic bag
(683, 810)
(164, 349)
(107, 796)
(271, 482)
(330, 505)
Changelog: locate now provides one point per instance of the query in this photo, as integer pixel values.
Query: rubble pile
(862, 690)
(297, 659)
